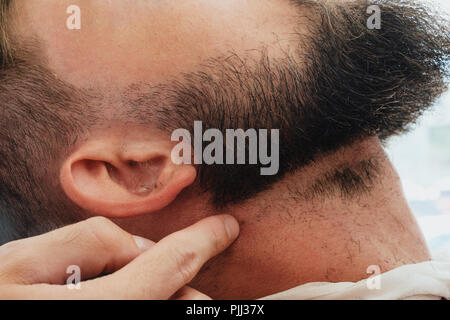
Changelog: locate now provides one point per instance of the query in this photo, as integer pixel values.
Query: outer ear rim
(181, 176)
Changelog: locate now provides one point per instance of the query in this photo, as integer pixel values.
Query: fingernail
(142, 243)
(232, 227)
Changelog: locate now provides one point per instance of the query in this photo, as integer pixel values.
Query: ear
(124, 174)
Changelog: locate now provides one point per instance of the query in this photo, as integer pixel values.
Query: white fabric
(426, 280)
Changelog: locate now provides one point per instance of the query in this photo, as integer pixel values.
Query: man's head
(87, 114)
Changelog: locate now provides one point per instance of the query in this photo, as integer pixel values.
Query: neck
(289, 238)
(305, 229)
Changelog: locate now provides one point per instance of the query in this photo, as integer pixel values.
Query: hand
(118, 265)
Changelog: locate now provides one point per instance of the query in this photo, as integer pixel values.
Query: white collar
(426, 280)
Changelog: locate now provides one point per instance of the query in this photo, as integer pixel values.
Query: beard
(344, 82)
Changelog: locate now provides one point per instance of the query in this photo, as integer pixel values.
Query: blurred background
(422, 159)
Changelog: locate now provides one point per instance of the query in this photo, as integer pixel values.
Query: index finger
(171, 263)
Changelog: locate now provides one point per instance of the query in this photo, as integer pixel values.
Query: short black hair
(5, 49)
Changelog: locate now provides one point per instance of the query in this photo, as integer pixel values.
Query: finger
(188, 293)
(57, 292)
(170, 264)
(95, 246)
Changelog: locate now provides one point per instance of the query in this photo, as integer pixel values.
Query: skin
(285, 240)
(101, 247)
(157, 40)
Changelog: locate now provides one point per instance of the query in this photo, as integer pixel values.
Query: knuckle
(104, 232)
(186, 264)
(67, 236)
(99, 222)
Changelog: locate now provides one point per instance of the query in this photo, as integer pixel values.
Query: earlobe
(114, 185)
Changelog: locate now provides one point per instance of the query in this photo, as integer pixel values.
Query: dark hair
(40, 119)
(5, 50)
(345, 83)
(351, 83)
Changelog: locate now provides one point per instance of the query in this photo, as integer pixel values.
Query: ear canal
(137, 177)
